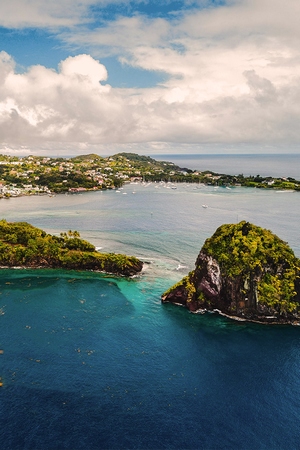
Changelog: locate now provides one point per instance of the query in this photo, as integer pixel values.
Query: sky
(149, 76)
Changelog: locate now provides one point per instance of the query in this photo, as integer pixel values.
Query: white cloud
(70, 105)
(233, 78)
(45, 13)
(84, 68)
(39, 13)
(125, 33)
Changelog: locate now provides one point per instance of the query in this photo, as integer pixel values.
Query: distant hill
(146, 160)
(90, 156)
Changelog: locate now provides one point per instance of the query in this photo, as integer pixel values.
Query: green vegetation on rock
(245, 249)
(186, 285)
(37, 175)
(23, 245)
(245, 271)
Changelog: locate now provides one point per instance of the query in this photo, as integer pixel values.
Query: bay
(92, 361)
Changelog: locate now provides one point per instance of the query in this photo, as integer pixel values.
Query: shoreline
(29, 247)
(35, 175)
(101, 272)
(260, 322)
(235, 318)
(281, 190)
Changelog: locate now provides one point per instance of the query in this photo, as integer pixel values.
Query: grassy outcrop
(23, 245)
(245, 271)
(245, 249)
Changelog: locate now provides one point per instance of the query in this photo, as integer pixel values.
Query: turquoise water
(96, 362)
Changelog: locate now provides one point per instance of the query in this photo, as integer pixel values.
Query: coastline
(25, 246)
(237, 318)
(268, 320)
(101, 272)
(228, 186)
(51, 176)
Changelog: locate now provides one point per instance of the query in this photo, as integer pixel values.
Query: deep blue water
(96, 362)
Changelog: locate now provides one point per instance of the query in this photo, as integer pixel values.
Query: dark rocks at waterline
(245, 272)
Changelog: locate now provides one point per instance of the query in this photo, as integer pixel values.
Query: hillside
(246, 272)
(23, 245)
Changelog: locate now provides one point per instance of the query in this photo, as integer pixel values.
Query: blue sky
(194, 76)
(40, 45)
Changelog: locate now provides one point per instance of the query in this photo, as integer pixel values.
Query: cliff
(245, 272)
(23, 245)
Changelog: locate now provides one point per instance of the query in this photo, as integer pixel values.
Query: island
(244, 272)
(36, 175)
(23, 245)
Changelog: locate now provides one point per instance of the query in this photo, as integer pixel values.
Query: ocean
(274, 165)
(91, 361)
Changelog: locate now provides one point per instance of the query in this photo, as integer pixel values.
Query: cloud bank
(233, 78)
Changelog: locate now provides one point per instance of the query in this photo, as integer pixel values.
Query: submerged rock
(245, 272)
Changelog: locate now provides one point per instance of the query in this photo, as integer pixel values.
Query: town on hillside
(35, 175)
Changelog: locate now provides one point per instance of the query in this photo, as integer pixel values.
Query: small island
(23, 245)
(244, 272)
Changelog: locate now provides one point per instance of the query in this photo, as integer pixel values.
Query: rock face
(245, 272)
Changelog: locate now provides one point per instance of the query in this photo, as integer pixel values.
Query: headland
(23, 245)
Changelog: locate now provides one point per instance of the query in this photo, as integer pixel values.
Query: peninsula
(34, 175)
(244, 272)
(23, 245)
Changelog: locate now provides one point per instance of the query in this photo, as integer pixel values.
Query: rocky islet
(245, 272)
